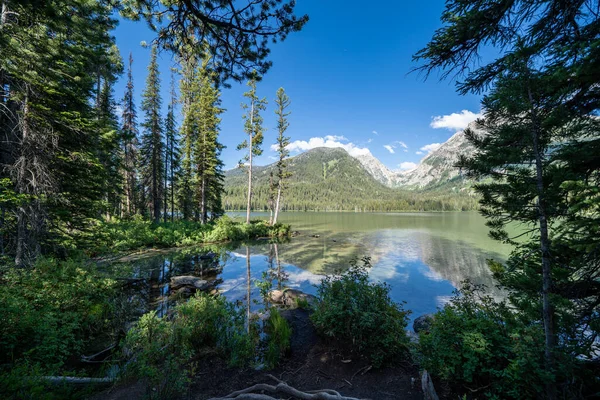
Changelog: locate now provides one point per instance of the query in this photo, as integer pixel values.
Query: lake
(422, 256)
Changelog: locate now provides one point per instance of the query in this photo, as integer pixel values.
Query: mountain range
(332, 179)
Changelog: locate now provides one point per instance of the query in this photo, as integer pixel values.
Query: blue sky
(347, 74)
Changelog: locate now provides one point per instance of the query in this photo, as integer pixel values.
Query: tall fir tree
(129, 143)
(49, 133)
(283, 174)
(542, 94)
(253, 127)
(188, 135)
(172, 155)
(207, 148)
(152, 145)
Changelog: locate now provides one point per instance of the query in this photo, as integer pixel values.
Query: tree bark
(277, 203)
(250, 164)
(547, 307)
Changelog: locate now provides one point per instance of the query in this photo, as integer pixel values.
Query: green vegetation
(163, 349)
(331, 180)
(476, 343)
(360, 315)
(539, 154)
(278, 340)
(138, 233)
(52, 314)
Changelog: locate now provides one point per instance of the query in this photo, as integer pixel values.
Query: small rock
(192, 282)
(295, 233)
(423, 323)
(290, 297)
(316, 236)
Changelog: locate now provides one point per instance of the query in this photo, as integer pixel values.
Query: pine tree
(152, 149)
(129, 134)
(172, 155)
(189, 132)
(283, 102)
(207, 148)
(253, 128)
(49, 128)
(542, 92)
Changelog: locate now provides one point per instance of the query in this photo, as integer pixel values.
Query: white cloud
(419, 152)
(430, 147)
(330, 141)
(454, 121)
(375, 133)
(407, 165)
(390, 147)
(336, 137)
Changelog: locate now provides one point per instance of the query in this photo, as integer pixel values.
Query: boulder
(423, 323)
(290, 297)
(192, 282)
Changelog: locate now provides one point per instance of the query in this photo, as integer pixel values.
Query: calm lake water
(423, 256)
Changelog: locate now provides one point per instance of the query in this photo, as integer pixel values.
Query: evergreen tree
(152, 149)
(129, 143)
(254, 129)
(171, 155)
(189, 132)
(542, 92)
(48, 127)
(283, 102)
(207, 148)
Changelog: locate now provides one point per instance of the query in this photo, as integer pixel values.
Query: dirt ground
(311, 364)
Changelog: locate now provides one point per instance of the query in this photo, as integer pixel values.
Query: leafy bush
(479, 344)
(139, 233)
(360, 314)
(158, 357)
(278, 341)
(52, 311)
(162, 349)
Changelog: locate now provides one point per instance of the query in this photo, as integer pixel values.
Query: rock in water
(194, 282)
(423, 323)
(290, 297)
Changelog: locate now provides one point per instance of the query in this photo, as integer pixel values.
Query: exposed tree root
(283, 389)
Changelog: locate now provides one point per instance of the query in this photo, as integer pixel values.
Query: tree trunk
(248, 293)
(277, 203)
(203, 208)
(547, 308)
(250, 164)
(166, 201)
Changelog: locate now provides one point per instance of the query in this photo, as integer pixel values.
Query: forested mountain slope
(329, 179)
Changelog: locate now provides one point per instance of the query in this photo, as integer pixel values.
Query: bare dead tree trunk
(248, 293)
(250, 164)
(547, 307)
(277, 203)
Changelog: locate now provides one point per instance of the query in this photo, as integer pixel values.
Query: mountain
(438, 167)
(329, 179)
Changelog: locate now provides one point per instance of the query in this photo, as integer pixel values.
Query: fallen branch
(57, 380)
(282, 388)
(91, 359)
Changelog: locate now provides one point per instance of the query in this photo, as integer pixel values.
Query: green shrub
(361, 315)
(53, 311)
(162, 349)
(139, 233)
(209, 322)
(278, 341)
(158, 357)
(477, 343)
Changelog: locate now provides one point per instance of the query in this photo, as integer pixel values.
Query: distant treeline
(327, 197)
